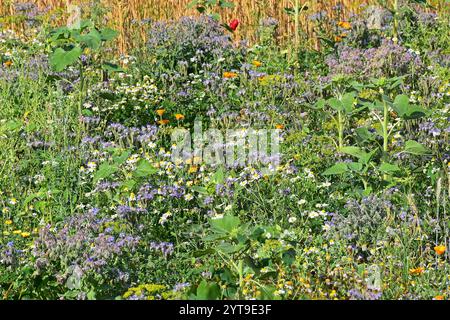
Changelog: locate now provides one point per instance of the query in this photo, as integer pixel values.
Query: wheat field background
(124, 15)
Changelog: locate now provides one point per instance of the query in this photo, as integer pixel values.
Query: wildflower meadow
(211, 156)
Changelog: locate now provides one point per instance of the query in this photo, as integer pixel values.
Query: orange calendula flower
(179, 116)
(163, 122)
(345, 25)
(257, 63)
(440, 250)
(337, 39)
(8, 63)
(417, 271)
(230, 75)
(439, 298)
(279, 126)
(160, 112)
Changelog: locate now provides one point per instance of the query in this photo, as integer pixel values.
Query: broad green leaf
(355, 166)
(347, 101)
(11, 125)
(144, 169)
(354, 151)
(199, 189)
(60, 59)
(401, 104)
(218, 177)
(320, 104)
(338, 168)
(229, 248)
(104, 171)
(208, 291)
(335, 104)
(108, 34)
(364, 134)
(91, 40)
(122, 158)
(389, 168)
(225, 225)
(416, 148)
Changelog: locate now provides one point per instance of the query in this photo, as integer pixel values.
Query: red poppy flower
(234, 24)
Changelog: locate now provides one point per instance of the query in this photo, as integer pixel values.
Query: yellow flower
(417, 271)
(25, 234)
(439, 298)
(257, 63)
(229, 75)
(179, 116)
(8, 222)
(160, 112)
(279, 126)
(345, 25)
(193, 169)
(17, 231)
(440, 250)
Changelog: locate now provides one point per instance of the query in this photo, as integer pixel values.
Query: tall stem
(395, 21)
(297, 25)
(385, 127)
(341, 129)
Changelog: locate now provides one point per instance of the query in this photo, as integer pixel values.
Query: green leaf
(347, 101)
(320, 104)
(355, 166)
(201, 253)
(60, 59)
(389, 168)
(192, 4)
(289, 11)
(108, 34)
(215, 16)
(338, 168)
(122, 158)
(208, 291)
(226, 4)
(364, 134)
(111, 67)
(91, 40)
(335, 104)
(199, 189)
(416, 148)
(144, 169)
(401, 104)
(225, 225)
(11, 125)
(104, 171)
(218, 177)
(229, 248)
(354, 151)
